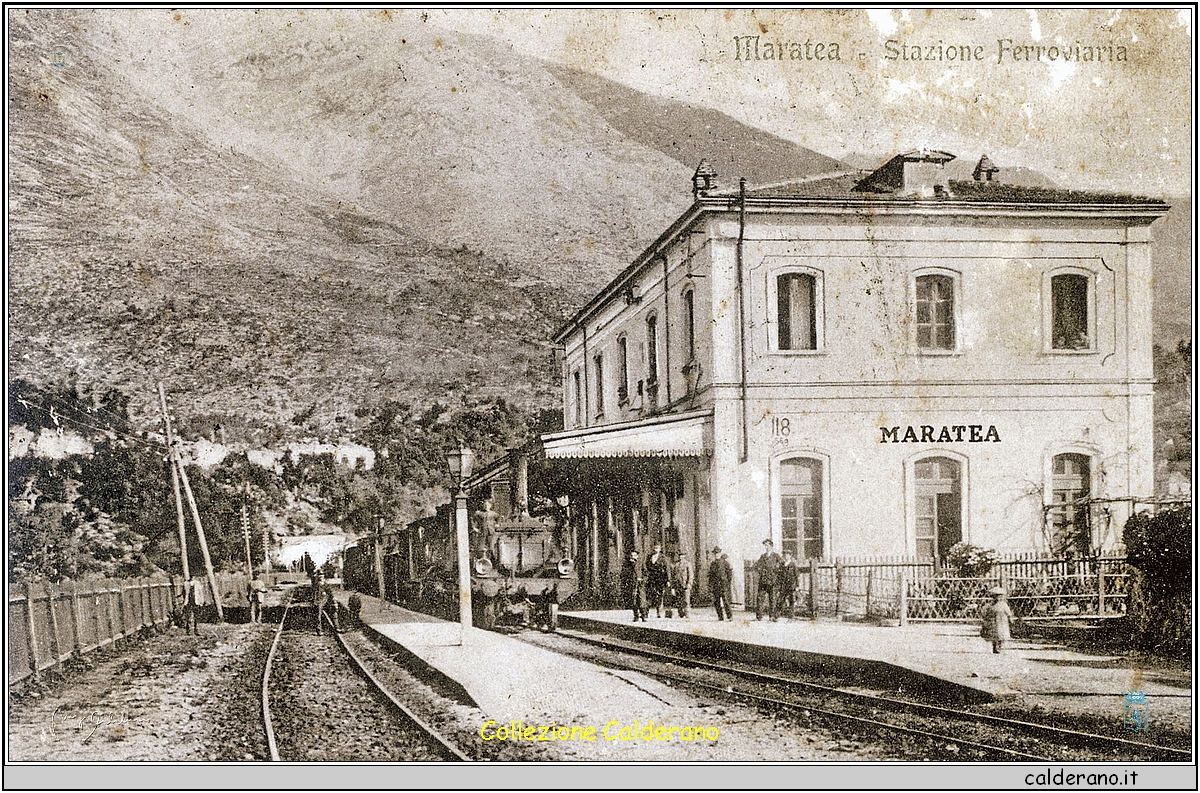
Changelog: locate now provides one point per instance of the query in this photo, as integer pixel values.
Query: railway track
(384, 726)
(983, 735)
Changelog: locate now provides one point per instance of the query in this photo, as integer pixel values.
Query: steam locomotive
(521, 570)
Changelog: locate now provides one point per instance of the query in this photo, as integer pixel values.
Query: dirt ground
(164, 698)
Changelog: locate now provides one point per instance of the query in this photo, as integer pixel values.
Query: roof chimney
(920, 173)
(984, 170)
(704, 180)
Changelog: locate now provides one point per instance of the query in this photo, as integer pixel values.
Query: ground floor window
(1071, 483)
(938, 484)
(801, 493)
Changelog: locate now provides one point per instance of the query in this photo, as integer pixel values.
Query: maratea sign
(926, 433)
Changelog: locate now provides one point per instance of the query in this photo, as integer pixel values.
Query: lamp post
(460, 462)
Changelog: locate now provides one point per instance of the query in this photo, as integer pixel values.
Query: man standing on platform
(789, 580)
(720, 581)
(680, 578)
(656, 578)
(767, 568)
(634, 585)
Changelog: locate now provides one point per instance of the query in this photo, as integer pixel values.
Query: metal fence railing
(913, 589)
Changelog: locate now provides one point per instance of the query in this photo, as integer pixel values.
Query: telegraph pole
(162, 396)
(246, 537)
(178, 473)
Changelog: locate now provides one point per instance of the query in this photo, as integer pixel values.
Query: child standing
(997, 620)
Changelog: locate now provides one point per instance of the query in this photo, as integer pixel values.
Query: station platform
(948, 661)
(504, 677)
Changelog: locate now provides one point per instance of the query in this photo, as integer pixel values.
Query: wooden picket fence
(909, 588)
(49, 624)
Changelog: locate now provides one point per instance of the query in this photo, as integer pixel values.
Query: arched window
(1069, 309)
(938, 505)
(652, 349)
(1070, 487)
(689, 315)
(578, 382)
(802, 493)
(796, 311)
(623, 370)
(935, 312)
(598, 362)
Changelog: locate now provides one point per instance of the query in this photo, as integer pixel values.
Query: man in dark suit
(789, 580)
(720, 581)
(767, 568)
(656, 578)
(633, 583)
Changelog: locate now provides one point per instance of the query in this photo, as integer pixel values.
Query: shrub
(970, 561)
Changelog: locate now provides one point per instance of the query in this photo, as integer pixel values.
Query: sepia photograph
(806, 391)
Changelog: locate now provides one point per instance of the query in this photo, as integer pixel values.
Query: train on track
(521, 570)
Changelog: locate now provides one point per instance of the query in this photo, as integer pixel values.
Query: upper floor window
(598, 362)
(578, 383)
(652, 348)
(1069, 312)
(623, 372)
(796, 311)
(935, 312)
(689, 313)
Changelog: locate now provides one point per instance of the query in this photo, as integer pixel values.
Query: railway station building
(861, 365)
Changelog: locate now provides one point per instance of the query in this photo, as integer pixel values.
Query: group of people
(656, 582)
(778, 579)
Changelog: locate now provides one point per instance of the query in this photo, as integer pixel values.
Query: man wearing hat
(997, 619)
(634, 584)
(679, 577)
(720, 582)
(767, 567)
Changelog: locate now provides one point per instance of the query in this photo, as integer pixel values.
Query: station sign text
(926, 433)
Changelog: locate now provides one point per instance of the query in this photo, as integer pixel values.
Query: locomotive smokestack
(518, 471)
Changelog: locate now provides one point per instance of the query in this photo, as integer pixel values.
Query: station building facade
(863, 365)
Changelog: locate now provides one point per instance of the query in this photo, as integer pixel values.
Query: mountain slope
(686, 133)
(140, 251)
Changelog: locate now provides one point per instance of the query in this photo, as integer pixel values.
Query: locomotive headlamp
(565, 567)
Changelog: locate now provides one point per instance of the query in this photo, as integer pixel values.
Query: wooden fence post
(814, 588)
(903, 598)
(76, 642)
(1100, 588)
(121, 609)
(867, 608)
(55, 643)
(30, 636)
(837, 589)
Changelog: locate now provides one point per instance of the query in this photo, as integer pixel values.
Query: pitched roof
(841, 187)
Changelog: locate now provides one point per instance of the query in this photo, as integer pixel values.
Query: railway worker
(680, 578)
(789, 581)
(256, 593)
(193, 599)
(483, 528)
(720, 581)
(997, 620)
(656, 579)
(767, 568)
(634, 586)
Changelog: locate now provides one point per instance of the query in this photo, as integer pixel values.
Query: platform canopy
(680, 435)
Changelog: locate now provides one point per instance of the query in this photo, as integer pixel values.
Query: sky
(1095, 123)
